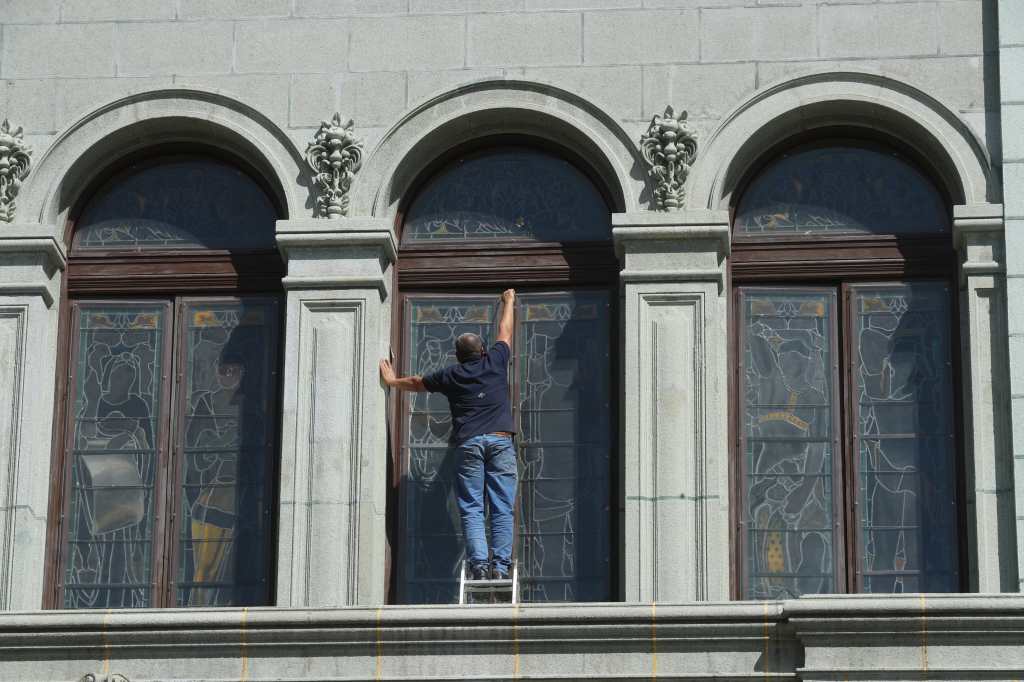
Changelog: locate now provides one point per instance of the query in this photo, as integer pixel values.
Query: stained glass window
(561, 394)
(517, 194)
(119, 370)
(229, 431)
(185, 203)
(135, 451)
(906, 499)
(788, 434)
(840, 189)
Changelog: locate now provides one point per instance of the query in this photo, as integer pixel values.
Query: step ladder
(469, 587)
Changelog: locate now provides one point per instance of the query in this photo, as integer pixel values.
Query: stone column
(675, 428)
(31, 261)
(978, 235)
(331, 546)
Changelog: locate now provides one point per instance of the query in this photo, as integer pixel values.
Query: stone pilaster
(978, 235)
(31, 261)
(331, 546)
(675, 449)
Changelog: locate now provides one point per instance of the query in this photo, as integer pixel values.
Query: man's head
(468, 347)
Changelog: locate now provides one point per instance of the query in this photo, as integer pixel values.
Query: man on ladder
(482, 432)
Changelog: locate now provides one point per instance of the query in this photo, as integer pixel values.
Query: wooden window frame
(439, 269)
(168, 276)
(837, 262)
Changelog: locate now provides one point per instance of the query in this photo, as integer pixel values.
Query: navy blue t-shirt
(477, 393)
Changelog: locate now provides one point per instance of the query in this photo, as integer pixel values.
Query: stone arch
(493, 107)
(141, 120)
(856, 99)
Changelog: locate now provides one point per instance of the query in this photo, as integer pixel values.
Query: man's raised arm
(508, 304)
(388, 376)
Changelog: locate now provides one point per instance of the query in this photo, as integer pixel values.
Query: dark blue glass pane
(515, 194)
(905, 441)
(840, 189)
(178, 204)
(118, 367)
(788, 419)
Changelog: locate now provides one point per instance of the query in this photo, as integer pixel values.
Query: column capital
(344, 253)
(978, 236)
(30, 256)
(679, 246)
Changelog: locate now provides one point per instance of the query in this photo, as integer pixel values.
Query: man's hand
(388, 376)
(387, 373)
(508, 301)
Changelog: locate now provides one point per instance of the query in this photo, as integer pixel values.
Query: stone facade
(88, 81)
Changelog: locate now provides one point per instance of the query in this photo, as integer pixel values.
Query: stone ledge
(826, 637)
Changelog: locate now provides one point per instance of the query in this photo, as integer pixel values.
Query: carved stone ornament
(335, 155)
(14, 167)
(670, 146)
(114, 677)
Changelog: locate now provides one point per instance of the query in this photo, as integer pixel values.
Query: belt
(500, 433)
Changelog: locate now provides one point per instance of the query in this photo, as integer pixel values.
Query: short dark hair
(468, 347)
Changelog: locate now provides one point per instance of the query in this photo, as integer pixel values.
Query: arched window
(168, 428)
(486, 219)
(847, 461)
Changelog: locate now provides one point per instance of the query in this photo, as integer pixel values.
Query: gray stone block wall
(298, 61)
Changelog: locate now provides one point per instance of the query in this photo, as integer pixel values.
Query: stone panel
(78, 96)
(1013, 178)
(616, 89)
(116, 10)
(886, 30)
(32, 104)
(194, 47)
(961, 24)
(312, 98)
(373, 99)
(31, 11)
(85, 50)
(292, 46)
(347, 8)
(1013, 134)
(326, 520)
(12, 349)
(267, 93)
(1011, 74)
(640, 37)
(1011, 22)
(421, 43)
(424, 84)
(704, 90)
(581, 4)
(233, 9)
(744, 34)
(524, 39)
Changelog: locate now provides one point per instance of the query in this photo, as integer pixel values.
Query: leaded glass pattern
(517, 194)
(563, 372)
(788, 434)
(230, 351)
(432, 548)
(119, 371)
(178, 204)
(906, 500)
(561, 394)
(840, 189)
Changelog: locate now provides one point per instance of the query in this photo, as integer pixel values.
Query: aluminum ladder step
(468, 586)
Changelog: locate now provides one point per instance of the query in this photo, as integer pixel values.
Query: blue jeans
(487, 462)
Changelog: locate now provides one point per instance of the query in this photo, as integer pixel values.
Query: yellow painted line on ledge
(243, 646)
(515, 642)
(654, 640)
(379, 672)
(924, 634)
(766, 624)
(106, 643)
